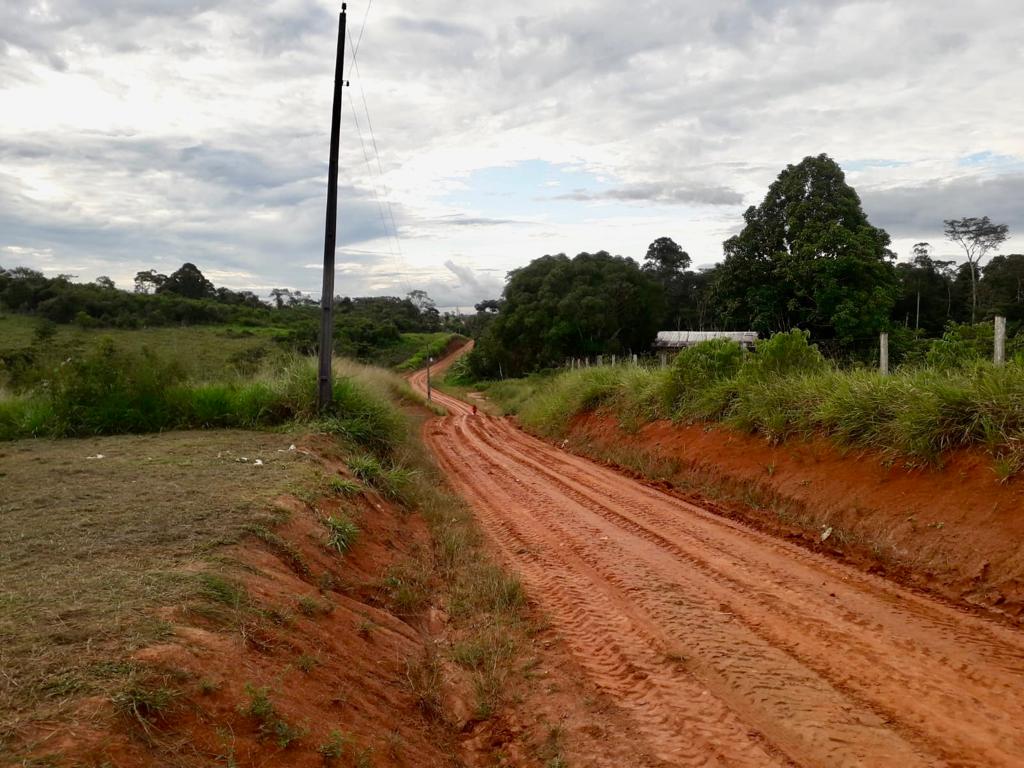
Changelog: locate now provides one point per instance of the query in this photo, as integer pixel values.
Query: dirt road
(726, 646)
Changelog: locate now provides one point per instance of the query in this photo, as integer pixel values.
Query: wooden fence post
(883, 354)
(999, 354)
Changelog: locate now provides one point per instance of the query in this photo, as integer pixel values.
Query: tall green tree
(925, 300)
(1001, 289)
(977, 236)
(667, 263)
(557, 307)
(808, 258)
(189, 282)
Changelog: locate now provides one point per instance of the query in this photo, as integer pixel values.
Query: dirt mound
(954, 530)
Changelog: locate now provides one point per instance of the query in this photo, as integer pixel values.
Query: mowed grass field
(97, 533)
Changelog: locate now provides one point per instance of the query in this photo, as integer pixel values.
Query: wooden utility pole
(324, 389)
(883, 354)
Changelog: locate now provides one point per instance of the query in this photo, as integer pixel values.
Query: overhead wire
(396, 250)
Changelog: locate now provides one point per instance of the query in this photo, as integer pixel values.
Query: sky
(477, 136)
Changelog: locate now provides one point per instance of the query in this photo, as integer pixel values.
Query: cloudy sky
(137, 135)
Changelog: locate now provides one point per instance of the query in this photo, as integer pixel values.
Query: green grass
(341, 533)
(916, 414)
(204, 352)
(428, 345)
(110, 390)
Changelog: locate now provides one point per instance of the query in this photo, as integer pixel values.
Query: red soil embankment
(956, 530)
(317, 667)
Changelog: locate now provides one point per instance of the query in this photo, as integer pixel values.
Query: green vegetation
(108, 390)
(430, 346)
(785, 389)
(341, 533)
(808, 258)
(55, 318)
(271, 725)
(557, 307)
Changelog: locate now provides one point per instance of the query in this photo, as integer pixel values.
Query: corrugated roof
(689, 338)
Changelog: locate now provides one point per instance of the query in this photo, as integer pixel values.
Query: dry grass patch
(92, 546)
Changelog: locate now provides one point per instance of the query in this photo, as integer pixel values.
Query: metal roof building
(682, 339)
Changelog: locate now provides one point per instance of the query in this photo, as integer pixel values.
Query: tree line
(363, 325)
(807, 257)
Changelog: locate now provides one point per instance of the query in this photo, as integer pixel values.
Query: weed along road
(727, 646)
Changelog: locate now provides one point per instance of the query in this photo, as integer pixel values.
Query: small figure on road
(474, 409)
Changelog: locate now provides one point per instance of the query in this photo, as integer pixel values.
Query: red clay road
(725, 645)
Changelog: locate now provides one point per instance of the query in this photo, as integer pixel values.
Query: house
(673, 341)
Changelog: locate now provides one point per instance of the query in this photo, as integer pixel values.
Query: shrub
(703, 364)
(109, 391)
(784, 354)
(341, 533)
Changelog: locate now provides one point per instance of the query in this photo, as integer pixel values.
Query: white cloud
(146, 134)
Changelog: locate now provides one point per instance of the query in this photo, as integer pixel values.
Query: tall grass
(433, 349)
(110, 390)
(917, 414)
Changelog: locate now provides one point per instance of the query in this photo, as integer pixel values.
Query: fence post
(883, 354)
(600, 360)
(999, 355)
(613, 359)
(664, 359)
(636, 359)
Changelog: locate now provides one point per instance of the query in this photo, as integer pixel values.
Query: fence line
(661, 359)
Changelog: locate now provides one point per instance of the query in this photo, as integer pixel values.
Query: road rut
(727, 646)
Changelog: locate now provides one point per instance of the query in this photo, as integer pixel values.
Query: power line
(362, 28)
(376, 150)
(377, 198)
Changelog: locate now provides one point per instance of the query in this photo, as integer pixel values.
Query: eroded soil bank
(955, 531)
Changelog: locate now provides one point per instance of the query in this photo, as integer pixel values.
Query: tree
(977, 236)
(105, 282)
(488, 305)
(279, 295)
(1001, 288)
(556, 307)
(666, 262)
(426, 306)
(808, 258)
(149, 281)
(189, 282)
(926, 285)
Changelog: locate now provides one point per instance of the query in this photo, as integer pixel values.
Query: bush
(108, 391)
(784, 354)
(702, 364)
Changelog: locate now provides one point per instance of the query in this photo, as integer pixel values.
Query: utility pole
(430, 359)
(324, 390)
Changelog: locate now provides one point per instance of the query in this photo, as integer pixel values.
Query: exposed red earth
(723, 644)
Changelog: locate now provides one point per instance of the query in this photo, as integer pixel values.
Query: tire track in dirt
(725, 645)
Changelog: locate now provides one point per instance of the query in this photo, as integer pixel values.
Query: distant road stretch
(727, 646)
